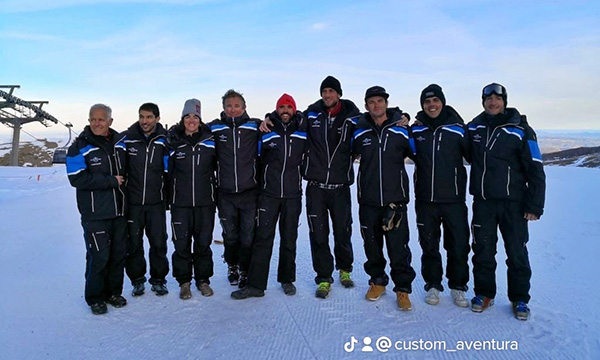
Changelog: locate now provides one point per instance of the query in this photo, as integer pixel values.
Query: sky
(124, 53)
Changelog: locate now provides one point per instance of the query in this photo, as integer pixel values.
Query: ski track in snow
(45, 316)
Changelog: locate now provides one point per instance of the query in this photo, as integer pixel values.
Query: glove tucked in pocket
(392, 217)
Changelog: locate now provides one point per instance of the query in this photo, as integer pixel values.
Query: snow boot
(243, 279)
(480, 303)
(247, 292)
(323, 290)
(233, 275)
(160, 289)
(99, 308)
(521, 310)
(433, 296)
(117, 301)
(138, 290)
(375, 292)
(458, 296)
(289, 289)
(205, 289)
(345, 279)
(403, 301)
(184, 291)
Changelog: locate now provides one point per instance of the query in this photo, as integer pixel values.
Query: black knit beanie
(333, 83)
(431, 91)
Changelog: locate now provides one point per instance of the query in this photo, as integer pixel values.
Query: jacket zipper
(235, 176)
(380, 175)
(145, 175)
(508, 183)
(456, 180)
(265, 176)
(284, 156)
(327, 147)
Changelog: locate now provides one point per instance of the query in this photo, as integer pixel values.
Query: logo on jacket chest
(366, 142)
(477, 138)
(420, 138)
(95, 161)
(316, 123)
(272, 145)
(132, 151)
(180, 155)
(223, 138)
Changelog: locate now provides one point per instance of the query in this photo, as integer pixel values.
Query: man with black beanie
(508, 185)
(328, 168)
(440, 187)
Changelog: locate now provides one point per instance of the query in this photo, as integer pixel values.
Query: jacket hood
(295, 120)
(176, 134)
(238, 120)
(510, 116)
(348, 107)
(393, 115)
(135, 131)
(446, 117)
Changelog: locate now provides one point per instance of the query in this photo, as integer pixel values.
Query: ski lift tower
(15, 112)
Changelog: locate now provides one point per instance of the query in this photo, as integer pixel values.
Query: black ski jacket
(236, 142)
(281, 152)
(442, 144)
(92, 163)
(147, 161)
(382, 177)
(328, 157)
(191, 167)
(506, 161)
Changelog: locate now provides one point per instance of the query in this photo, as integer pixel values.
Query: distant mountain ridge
(581, 157)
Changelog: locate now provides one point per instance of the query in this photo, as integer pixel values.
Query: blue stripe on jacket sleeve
(166, 162)
(75, 164)
(413, 148)
(536, 154)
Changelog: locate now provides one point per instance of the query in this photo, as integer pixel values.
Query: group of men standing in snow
(252, 171)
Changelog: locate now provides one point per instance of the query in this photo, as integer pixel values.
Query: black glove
(392, 217)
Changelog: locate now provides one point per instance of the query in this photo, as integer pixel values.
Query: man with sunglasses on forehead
(508, 185)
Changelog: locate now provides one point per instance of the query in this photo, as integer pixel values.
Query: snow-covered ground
(44, 315)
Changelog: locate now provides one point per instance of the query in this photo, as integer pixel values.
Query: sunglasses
(494, 89)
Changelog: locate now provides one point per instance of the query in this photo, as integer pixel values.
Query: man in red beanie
(280, 157)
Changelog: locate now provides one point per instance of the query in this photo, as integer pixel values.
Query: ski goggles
(494, 89)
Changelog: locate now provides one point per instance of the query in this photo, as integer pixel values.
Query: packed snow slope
(44, 315)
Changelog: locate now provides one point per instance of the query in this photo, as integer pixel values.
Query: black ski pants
(454, 220)
(192, 225)
(488, 216)
(237, 213)
(271, 209)
(396, 241)
(106, 250)
(151, 219)
(320, 204)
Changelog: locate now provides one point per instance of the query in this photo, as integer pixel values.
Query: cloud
(320, 26)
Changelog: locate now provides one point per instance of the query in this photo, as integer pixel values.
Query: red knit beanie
(286, 99)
